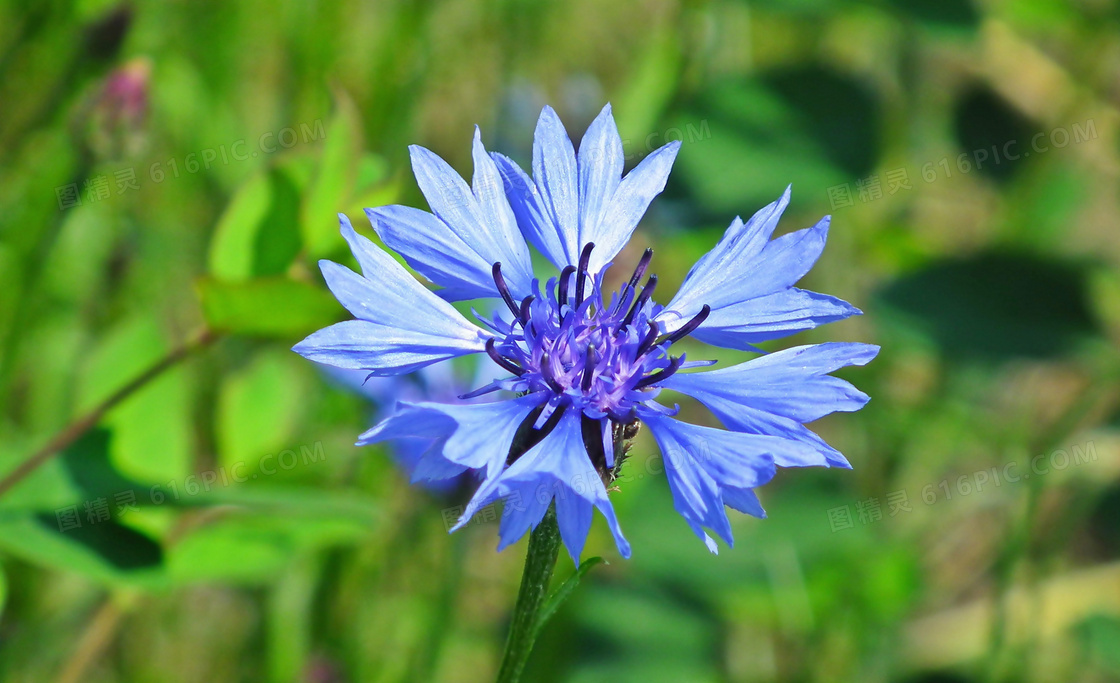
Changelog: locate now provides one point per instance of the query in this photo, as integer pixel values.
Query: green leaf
(557, 598)
(837, 111)
(307, 503)
(278, 242)
(60, 335)
(78, 263)
(737, 139)
(986, 122)
(386, 193)
(243, 551)
(742, 142)
(373, 170)
(996, 305)
(259, 232)
(152, 428)
(234, 242)
(650, 635)
(267, 307)
(958, 15)
(105, 551)
(335, 181)
(87, 464)
(259, 407)
(253, 546)
(49, 487)
(375, 186)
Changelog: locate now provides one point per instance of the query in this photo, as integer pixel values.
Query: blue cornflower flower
(585, 366)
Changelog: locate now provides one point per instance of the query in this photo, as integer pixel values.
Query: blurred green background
(170, 167)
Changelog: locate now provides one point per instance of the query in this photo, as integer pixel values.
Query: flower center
(602, 355)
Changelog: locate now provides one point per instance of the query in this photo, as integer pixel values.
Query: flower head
(583, 366)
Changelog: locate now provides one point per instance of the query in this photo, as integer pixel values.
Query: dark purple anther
(660, 375)
(589, 368)
(549, 378)
(503, 289)
(492, 351)
(581, 272)
(523, 315)
(647, 292)
(648, 342)
(690, 326)
(565, 279)
(640, 270)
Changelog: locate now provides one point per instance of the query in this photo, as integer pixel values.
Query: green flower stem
(544, 546)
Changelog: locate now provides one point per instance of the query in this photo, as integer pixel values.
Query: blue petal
(600, 165)
(559, 469)
(402, 326)
(628, 205)
(381, 391)
(781, 263)
(535, 222)
(477, 436)
(573, 516)
(472, 229)
(432, 466)
(737, 417)
(703, 462)
(408, 453)
(408, 422)
(380, 350)
(793, 383)
(744, 324)
(775, 393)
(521, 513)
(741, 418)
(432, 249)
(556, 176)
(743, 500)
(741, 244)
(747, 281)
(572, 200)
(509, 245)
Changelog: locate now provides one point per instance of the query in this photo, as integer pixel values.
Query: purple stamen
(546, 374)
(589, 360)
(581, 272)
(690, 326)
(492, 351)
(647, 292)
(533, 435)
(648, 342)
(640, 270)
(562, 288)
(663, 374)
(503, 289)
(523, 315)
(589, 368)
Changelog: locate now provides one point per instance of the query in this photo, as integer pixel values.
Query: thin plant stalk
(540, 561)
